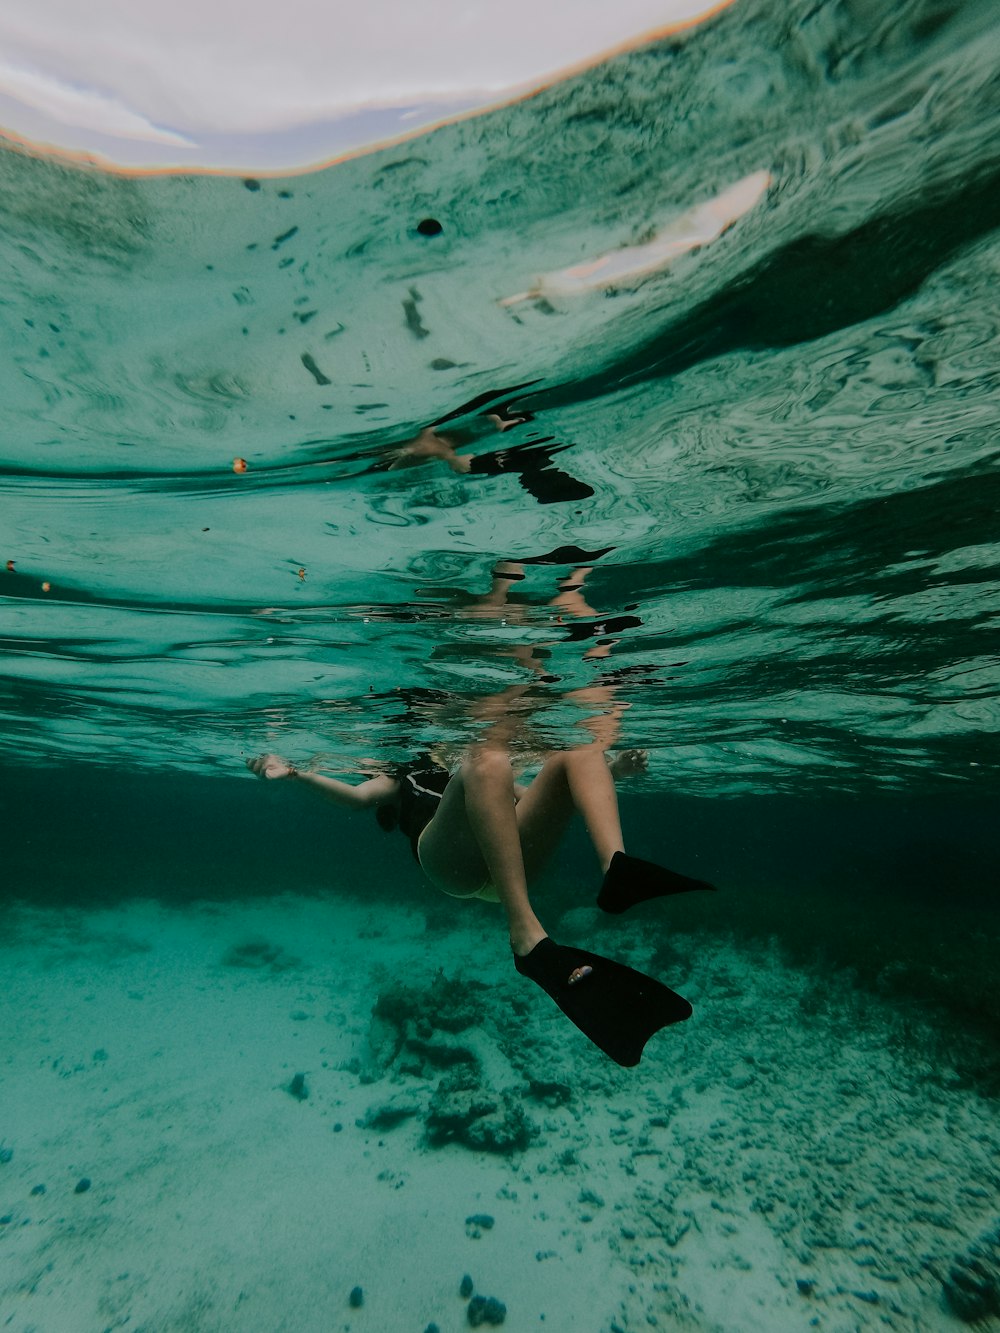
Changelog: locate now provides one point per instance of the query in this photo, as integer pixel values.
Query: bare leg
(491, 810)
(482, 832)
(581, 780)
(572, 780)
(479, 833)
(473, 840)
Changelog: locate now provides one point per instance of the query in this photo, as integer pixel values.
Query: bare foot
(629, 762)
(505, 422)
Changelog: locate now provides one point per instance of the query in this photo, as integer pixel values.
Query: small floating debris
(298, 1088)
(285, 236)
(239, 465)
(429, 227)
(356, 1298)
(314, 369)
(82, 1185)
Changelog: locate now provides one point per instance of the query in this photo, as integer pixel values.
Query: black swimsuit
(421, 786)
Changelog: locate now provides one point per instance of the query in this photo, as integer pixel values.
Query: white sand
(755, 1146)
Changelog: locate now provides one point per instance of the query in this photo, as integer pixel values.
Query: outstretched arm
(368, 793)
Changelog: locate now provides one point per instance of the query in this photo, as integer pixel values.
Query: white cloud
(130, 67)
(86, 108)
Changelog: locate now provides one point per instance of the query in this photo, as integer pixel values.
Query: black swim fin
(630, 880)
(617, 1007)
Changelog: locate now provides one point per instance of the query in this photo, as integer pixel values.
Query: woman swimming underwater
(476, 833)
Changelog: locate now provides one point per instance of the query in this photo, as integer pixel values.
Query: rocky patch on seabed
(791, 1147)
(972, 1285)
(448, 1043)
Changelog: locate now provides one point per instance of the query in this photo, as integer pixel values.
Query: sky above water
(141, 83)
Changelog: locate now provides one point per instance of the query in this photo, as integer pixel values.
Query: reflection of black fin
(529, 455)
(595, 629)
(551, 486)
(481, 399)
(566, 555)
(617, 1007)
(531, 463)
(630, 880)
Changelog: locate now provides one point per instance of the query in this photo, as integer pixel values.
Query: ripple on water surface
(714, 324)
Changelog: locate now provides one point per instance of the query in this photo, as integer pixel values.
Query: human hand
(270, 766)
(629, 762)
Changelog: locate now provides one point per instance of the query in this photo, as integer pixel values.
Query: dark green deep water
(898, 894)
(776, 457)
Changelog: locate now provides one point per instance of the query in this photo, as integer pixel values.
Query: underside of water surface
(769, 438)
(658, 408)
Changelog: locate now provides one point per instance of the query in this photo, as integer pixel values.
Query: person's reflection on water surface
(569, 608)
(530, 461)
(477, 833)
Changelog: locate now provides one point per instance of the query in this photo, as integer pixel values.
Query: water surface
(782, 440)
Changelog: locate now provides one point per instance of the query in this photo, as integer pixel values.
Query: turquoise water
(789, 435)
(767, 459)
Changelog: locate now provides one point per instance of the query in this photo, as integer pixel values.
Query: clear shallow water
(783, 441)
(770, 463)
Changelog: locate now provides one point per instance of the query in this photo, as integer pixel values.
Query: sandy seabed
(787, 1160)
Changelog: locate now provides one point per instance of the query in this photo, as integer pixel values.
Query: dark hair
(386, 816)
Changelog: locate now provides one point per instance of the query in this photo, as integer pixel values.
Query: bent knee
(488, 765)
